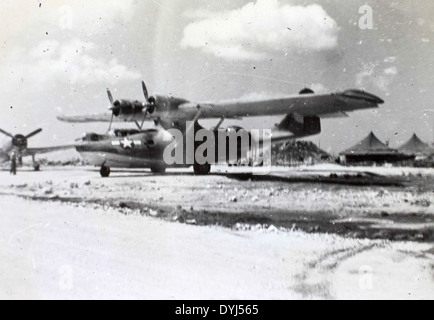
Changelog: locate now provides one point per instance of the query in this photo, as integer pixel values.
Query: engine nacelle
(159, 103)
(162, 103)
(166, 103)
(301, 125)
(127, 107)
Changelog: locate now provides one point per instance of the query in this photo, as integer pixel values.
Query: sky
(58, 57)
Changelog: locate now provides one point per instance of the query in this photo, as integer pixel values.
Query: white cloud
(392, 71)
(60, 59)
(198, 14)
(73, 62)
(257, 96)
(257, 28)
(78, 15)
(319, 88)
(390, 60)
(367, 72)
(372, 74)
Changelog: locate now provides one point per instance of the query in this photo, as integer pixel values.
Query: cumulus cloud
(65, 58)
(264, 95)
(390, 60)
(257, 96)
(392, 71)
(257, 28)
(374, 75)
(319, 88)
(77, 15)
(73, 62)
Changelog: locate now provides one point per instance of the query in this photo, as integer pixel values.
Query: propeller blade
(34, 133)
(110, 96)
(6, 133)
(111, 122)
(145, 91)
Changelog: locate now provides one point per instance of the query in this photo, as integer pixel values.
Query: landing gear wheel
(202, 169)
(105, 171)
(37, 167)
(159, 170)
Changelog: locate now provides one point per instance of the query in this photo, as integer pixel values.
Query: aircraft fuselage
(141, 150)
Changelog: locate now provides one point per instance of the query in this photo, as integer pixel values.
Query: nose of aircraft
(19, 141)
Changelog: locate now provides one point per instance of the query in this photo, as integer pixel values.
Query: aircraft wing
(4, 157)
(89, 118)
(34, 151)
(319, 105)
(323, 106)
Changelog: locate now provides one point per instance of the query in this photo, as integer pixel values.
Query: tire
(37, 167)
(202, 169)
(158, 170)
(105, 171)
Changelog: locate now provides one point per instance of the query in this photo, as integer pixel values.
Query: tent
(416, 146)
(372, 150)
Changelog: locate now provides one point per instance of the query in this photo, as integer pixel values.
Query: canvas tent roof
(416, 145)
(370, 145)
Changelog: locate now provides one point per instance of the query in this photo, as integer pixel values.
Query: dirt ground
(322, 232)
(379, 203)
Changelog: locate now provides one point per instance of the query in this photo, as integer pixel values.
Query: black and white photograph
(208, 151)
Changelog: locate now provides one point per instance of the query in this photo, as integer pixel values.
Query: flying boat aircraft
(301, 114)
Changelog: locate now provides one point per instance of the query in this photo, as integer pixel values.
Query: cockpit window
(125, 133)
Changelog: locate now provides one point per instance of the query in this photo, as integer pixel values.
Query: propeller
(150, 104)
(6, 133)
(150, 107)
(34, 133)
(20, 141)
(145, 91)
(116, 106)
(112, 108)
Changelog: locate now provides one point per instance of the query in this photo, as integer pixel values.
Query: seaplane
(177, 119)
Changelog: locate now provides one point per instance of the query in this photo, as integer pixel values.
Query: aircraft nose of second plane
(19, 141)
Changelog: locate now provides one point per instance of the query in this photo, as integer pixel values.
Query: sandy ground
(295, 199)
(52, 250)
(68, 244)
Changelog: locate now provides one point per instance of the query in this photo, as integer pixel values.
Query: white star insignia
(126, 143)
